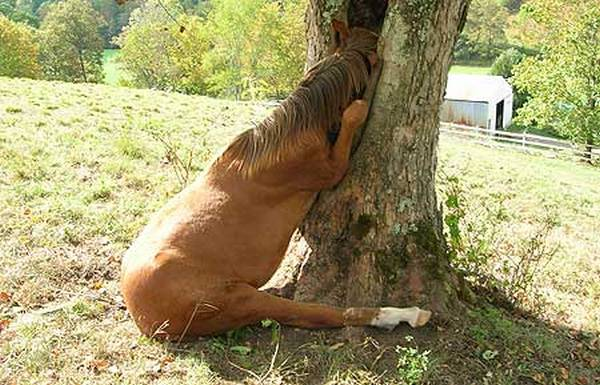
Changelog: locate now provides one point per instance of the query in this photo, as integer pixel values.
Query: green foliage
(242, 49)
(21, 11)
(156, 53)
(563, 79)
(511, 5)
(33, 11)
(18, 51)
(412, 363)
(257, 48)
(483, 37)
(70, 42)
(504, 66)
(471, 230)
(505, 63)
(115, 16)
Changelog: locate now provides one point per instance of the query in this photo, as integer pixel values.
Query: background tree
(148, 44)
(564, 80)
(377, 239)
(239, 49)
(19, 11)
(483, 38)
(531, 27)
(505, 66)
(115, 18)
(18, 52)
(70, 42)
(511, 5)
(257, 48)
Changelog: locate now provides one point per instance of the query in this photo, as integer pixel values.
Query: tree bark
(377, 238)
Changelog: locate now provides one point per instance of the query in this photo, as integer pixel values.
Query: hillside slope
(83, 166)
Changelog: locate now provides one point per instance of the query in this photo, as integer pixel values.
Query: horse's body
(196, 268)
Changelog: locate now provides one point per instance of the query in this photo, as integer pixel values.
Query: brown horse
(196, 268)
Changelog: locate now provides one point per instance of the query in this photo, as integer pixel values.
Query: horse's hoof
(421, 319)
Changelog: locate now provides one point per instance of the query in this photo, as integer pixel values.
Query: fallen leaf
(99, 365)
(4, 324)
(4, 297)
(564, 373)
(539, 378)
(582, 380)
(336, 346)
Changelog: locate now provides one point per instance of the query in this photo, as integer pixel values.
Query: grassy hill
(470, 70)
(83, 166)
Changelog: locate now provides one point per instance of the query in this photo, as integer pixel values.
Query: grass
(112, 71)
(81, 172)
(535, 131)
(470, 70)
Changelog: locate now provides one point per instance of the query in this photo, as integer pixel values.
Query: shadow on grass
(485, 344)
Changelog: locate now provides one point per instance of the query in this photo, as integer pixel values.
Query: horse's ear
(341, 33)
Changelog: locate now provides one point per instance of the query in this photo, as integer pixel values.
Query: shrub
(18, 51)
(504, 64)
(159, 52)
(488, 257)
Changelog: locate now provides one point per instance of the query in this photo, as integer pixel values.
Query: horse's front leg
(353, 117)
(325, 168)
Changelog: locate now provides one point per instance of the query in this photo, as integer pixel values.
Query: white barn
(479, 101)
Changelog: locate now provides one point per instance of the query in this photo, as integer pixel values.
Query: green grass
(81, 173)
(113, 74)
(470, 70)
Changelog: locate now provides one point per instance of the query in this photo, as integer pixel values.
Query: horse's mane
(309, 111)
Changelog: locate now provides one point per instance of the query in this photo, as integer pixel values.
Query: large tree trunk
(377, 238)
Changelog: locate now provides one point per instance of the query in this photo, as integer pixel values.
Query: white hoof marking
(389, 317)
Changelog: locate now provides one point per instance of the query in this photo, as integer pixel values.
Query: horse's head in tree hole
(368, 14)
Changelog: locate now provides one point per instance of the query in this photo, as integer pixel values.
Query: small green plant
(86, 309)
(129, 146)
(412, 364)
(13, 110)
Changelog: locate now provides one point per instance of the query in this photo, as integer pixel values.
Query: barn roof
(480, 88)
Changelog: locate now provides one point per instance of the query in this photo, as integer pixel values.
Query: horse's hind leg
(246, 305)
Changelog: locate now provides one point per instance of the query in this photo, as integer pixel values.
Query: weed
(179, 158)
(525, 260)
(490, 257)
(13, 110)
(412, 364)
(130, 146)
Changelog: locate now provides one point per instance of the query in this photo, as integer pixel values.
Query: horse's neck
(270, 187)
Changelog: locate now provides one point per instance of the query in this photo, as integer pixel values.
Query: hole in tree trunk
(367, 14)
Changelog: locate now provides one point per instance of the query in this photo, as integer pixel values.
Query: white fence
(523, 141)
